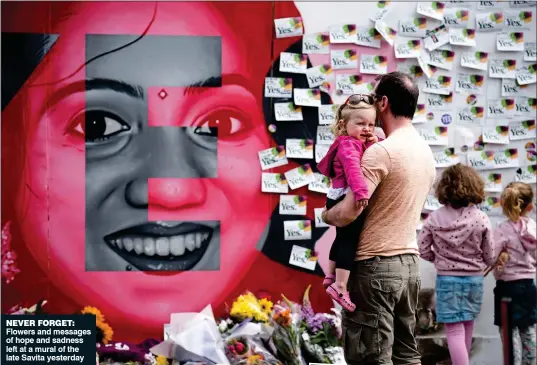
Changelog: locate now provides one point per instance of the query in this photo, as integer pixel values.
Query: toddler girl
(457, 238)
(515, 275)
(353, 128)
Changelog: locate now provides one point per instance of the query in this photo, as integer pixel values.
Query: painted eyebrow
(137, 91)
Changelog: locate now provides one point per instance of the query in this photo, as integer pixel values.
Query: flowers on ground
(286, 320)
(257, 332)
(237, 349)
(247, 306)
(321, 336)
(105, 333)
(130, 353)
(266, 306)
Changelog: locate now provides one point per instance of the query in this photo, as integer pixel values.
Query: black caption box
(48, 339)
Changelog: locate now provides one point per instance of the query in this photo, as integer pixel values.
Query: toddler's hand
(373, 139)
(362, 203)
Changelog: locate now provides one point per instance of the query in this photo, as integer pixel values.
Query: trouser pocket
(361, 337)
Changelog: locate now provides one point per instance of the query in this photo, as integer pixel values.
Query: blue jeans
(458, 298)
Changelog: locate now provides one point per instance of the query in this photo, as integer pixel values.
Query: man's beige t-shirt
(400, 172)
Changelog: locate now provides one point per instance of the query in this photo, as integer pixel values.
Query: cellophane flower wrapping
(286, 319)
(193, 337)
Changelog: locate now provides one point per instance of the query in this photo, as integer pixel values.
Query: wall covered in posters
(162, 155)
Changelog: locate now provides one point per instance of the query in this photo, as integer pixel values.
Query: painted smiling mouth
(162, 246)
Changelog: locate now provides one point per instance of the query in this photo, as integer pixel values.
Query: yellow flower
(161, 360)
(106, 330)
(92, 310)
(254, 359)
(248, 306)
(266, 306)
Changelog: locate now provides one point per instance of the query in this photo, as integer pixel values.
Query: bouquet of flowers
(321, 336)
(245, 344)
(286, 319)
(248, 306)
(237, 349)
(104, 331)
(193, 337)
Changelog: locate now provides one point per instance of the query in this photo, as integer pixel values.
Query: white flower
(121, 347)
(222, 326)
(150, 359)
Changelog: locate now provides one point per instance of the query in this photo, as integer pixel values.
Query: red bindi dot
(162, 94)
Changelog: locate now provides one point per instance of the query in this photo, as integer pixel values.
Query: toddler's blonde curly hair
(344, 113)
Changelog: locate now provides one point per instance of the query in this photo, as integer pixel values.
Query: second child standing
(516, 275)
(457, 238)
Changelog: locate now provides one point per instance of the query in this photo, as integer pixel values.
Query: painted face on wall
(148, 154)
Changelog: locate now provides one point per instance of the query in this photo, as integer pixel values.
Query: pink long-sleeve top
(342, 165)
(458, 241)
(518, 240)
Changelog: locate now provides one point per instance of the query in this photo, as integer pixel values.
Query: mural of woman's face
(125, 167)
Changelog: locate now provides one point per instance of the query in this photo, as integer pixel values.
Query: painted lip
(162, 247)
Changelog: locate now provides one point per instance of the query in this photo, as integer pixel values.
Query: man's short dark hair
(401, 91)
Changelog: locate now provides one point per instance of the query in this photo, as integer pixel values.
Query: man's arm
(376, 165)
(344, 212)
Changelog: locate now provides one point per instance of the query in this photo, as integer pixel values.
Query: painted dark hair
(275, 247)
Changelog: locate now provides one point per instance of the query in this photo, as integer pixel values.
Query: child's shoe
(328, 280)
(342, 299)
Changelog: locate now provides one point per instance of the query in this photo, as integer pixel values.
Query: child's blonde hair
(516, 198)
(343, 114)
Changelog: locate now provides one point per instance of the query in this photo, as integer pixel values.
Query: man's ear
(383, 103)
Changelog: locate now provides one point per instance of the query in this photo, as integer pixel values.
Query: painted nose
(168, 194)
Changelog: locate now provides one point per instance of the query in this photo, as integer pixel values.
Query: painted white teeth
(149, 246)
(190, 242)
(138, 246)
(162, 246)
(177, 245)
(128, 243)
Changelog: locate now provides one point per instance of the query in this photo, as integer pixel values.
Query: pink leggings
(459, 338)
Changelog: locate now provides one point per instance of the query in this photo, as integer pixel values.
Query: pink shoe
(342, 299)
(328, 280)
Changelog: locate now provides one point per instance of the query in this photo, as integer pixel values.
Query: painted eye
(98, 126)
(225, 124)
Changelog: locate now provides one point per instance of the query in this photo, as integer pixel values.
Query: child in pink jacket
(457, 238)
(353, 129)
(515, 277)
